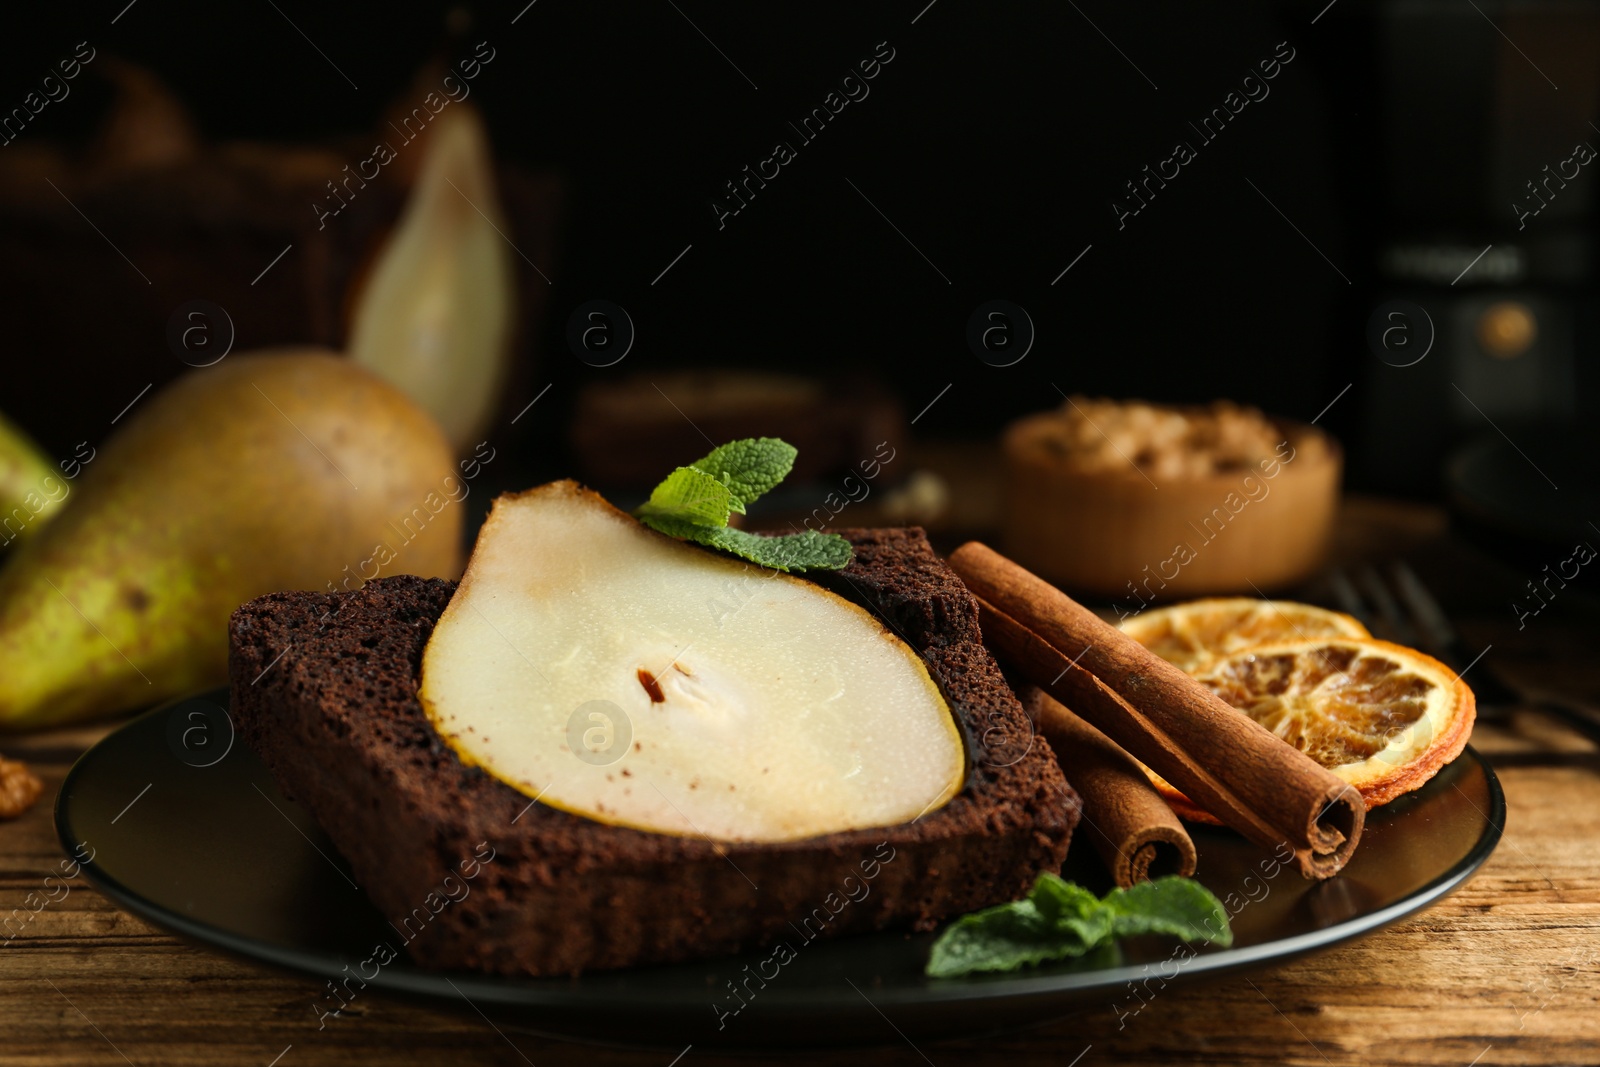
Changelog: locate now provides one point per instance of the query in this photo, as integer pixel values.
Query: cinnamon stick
(1221, 758)
(1135, 832)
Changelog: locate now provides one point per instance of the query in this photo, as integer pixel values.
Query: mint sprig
(691, 496)
(1061, 920)
(749, 467)
(693, 503)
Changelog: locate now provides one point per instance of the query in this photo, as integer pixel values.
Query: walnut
(19, 788)
(1171, 443)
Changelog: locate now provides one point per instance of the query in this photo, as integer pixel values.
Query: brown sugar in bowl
(1120, 530)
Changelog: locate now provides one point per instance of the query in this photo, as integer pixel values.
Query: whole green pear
(30, 490)
(284, 470)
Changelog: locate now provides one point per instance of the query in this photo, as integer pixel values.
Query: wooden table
(1505, 971)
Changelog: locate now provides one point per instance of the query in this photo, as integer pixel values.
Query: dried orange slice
(1194, 633)
(1383, 717)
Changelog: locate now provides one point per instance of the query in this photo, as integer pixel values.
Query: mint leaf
(1001, 938)
(691, 496)
(788, 552)
(694, 502)
(749, 467)
(1177, 906)
(1070, 906)
(1060, 920)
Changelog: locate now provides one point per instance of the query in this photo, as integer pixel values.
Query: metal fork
(1397, 607)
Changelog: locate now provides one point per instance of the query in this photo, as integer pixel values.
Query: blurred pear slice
(30, 491)
(147, 127)
(618, 674)
(435, 314)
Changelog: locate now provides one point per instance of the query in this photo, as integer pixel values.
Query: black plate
(216, 853)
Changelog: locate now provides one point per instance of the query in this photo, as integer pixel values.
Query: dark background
(996, 141)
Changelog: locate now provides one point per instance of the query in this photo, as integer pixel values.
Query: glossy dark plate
(188, 831)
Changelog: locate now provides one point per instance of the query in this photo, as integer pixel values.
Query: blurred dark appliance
(1481, 305)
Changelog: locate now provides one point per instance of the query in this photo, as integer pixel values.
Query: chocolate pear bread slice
(475, 876)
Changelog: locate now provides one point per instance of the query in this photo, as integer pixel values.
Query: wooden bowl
(1117, 533)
